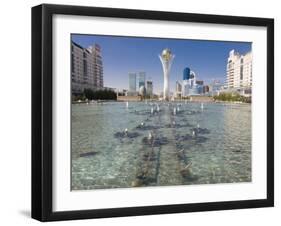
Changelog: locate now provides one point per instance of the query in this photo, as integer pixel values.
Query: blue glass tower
(186, 73)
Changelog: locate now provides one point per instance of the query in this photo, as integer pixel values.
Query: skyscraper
(178, 86)
(98, 67)
(190, 86)
(239, 70)
(141, 80)
(215, 87)
(132, 82)
(178, 92)
(86, 68)
(205, 89)
(186, 73)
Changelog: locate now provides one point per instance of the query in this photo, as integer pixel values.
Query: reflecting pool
(119, 145)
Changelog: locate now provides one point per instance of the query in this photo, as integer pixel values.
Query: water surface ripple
(174, 144)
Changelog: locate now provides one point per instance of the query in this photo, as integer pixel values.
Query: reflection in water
(174, 144)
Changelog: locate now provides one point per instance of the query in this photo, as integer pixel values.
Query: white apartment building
(86, 68)
(178, 92)
(239, 70)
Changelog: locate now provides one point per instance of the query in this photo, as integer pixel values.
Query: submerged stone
(186, 171)
(143, 182)
(155, 141)
(181, 154)
(139, 112)
(147, 127)
(149, 157)
(149, 181)
(136, 183)
(190, 177)
(126, 134)
(187, 137)
(177, 125)
(179, 146)
(120, 134)
(133, 134)
(87, 154)
(200, 139)
(192, 112)
(183, 137)
(160, 141)
(200, 130)
(236, 150)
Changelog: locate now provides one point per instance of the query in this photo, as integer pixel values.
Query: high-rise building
(98, 67)
(206, 89)
(190, 85)
(186, 73)
(185, 88)
(200, 86)
(239, 70)
(141, 80)
(136, 81)
(178, 89)
(215, 87)
(132, 83)
(86, 68)
(149, 88)
(178, 86)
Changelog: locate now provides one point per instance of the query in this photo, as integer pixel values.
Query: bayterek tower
(166, 59)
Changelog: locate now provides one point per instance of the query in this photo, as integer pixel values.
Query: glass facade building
(132, 82)
(141, 80)
(186, 73)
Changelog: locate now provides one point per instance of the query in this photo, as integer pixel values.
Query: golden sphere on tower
(167, 54)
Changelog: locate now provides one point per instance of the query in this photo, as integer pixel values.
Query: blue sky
(122, 55)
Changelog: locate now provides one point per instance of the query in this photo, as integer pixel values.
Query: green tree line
(99, 94)
(232, 97)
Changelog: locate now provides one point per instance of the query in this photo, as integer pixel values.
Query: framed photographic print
(145, 112)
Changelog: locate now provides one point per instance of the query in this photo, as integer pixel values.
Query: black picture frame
(42, 111)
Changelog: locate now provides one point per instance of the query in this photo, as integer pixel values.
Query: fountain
(158, 109)
(202, 106)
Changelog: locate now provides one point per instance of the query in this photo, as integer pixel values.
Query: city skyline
(122, 55)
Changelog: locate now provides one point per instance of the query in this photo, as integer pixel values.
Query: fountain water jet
(202, 106)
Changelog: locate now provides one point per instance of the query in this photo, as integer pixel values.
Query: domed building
(142, 91)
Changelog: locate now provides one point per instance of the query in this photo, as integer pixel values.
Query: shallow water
(193, 146)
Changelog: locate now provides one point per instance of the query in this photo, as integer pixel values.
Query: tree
(232, 97)
(100, 94)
